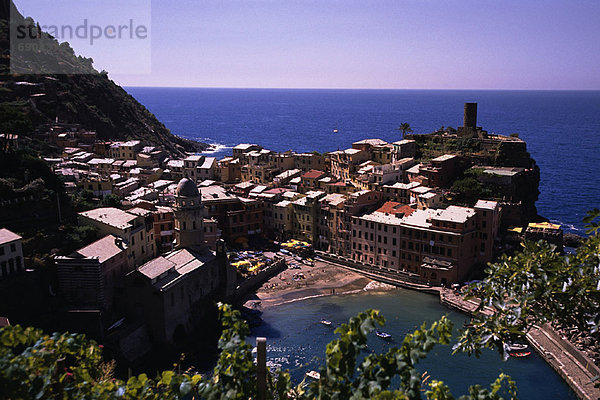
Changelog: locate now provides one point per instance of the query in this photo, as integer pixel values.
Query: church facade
(174, 292)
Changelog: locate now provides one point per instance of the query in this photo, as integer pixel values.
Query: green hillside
(85, 96)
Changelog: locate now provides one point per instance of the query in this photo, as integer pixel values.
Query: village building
(330, 217)
(345, 163)
(135, 227)
(406, 148)
(173, 293)
(308, 161)
(310, 180)
(440, 246)
(282, 221)
(175, 169)
(228, 170)
(356, 203)
(11, 253)
(88, 277)
(125, 150)
(242, 149)
(400, 192)
(305, 224)
(441, 171)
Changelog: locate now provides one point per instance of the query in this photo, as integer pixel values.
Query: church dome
(187, 188)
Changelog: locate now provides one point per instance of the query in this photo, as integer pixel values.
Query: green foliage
(111, 200)
(468, 190)
(78, 236)
(534, 286)
(61, 366)
(466, 145)
(234, 376)
(34, 365)
(404, 127)
(84, 200)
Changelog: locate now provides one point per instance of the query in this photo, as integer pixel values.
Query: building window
(13, 247)
(1, 250)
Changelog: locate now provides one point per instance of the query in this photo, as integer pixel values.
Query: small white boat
(314, 375)
(517, 347)
(326, 322)
(383, 335)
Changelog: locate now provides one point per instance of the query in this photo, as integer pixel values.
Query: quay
(578, 371)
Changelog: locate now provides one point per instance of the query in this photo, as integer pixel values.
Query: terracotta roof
(313, 174)
(393, 207)
(277, 190)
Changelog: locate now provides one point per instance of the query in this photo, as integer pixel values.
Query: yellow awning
(544, 225)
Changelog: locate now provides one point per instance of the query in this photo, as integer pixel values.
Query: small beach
(321, 279)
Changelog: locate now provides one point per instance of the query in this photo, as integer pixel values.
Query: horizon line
(350, 88)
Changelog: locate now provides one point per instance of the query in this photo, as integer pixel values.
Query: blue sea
(562, 128)
(296, 341)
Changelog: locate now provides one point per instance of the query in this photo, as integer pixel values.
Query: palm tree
(404, 127)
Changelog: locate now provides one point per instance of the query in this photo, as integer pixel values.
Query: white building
(11, 253)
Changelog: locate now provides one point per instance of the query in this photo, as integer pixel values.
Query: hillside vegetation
(85, 96)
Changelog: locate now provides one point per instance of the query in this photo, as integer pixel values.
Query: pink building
(440, 246)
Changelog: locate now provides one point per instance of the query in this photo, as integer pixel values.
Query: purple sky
(413, 44)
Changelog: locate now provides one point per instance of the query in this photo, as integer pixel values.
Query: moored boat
(517, 347)
(326, 322)
(520, 354)
(314, 375)
(383, 335)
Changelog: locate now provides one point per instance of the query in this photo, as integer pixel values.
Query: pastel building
(135, 227)
(440, 246)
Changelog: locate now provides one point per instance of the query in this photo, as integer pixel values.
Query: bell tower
(189, 216)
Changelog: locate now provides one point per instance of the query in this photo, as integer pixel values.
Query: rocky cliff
(500, 151)
(85, 96)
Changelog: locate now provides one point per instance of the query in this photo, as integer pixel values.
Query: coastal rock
(378, 286)
(572, 240)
